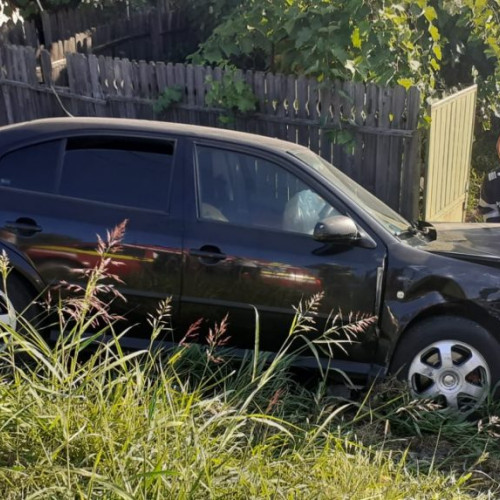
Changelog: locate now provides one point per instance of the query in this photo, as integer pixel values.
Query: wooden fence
(57, 26)
(155, 34)
(381, 122)
(19, 33)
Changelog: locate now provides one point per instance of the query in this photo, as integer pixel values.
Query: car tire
(453, 360)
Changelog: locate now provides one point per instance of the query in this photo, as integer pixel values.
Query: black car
(223, 221)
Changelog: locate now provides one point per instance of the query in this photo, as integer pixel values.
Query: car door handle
(23, 227)
(208, 254)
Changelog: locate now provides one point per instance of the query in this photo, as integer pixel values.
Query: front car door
(248, 242)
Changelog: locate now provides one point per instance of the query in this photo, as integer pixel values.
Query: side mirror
(342, 230)
(337, 228)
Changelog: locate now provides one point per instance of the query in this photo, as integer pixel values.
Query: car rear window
(129, 172)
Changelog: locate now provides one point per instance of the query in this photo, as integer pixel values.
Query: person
(489, 201)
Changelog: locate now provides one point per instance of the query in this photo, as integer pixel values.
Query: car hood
(469, 241)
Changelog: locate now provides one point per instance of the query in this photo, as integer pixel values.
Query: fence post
(410, 179)
(155, 31)
(6, 114)
(47, 29)
(46, 68)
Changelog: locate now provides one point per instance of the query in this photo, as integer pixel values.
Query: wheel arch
(452, 359)
(22, 267)
(27, 283)
(25, 289)
(466, 310)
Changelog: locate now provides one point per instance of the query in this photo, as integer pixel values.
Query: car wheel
(449, 359)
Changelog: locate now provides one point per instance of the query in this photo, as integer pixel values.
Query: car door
(57, 196)
(248, 242)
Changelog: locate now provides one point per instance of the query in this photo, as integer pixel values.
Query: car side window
(247, 190)
(33, 168)
(123, 171)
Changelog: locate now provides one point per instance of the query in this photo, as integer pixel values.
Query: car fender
(413, 293)
(22, 264)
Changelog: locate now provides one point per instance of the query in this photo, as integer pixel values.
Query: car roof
(44, 128)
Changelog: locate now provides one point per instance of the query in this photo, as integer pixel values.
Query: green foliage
(362, 40)
(171, 95)
(482, 18)
(433, 44)
(232, 94)
(343, 137)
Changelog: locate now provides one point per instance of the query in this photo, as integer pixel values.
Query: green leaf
(430, 13)
(405, 82)
(340, 54)
(434, 32)
(435, 65)
(246, 45)
(437, 52)
(356, 39)
(342, 137)
(303, 36)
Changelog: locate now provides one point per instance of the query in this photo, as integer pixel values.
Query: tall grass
(195, 424)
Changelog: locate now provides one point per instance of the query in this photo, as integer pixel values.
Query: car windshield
(385, 215)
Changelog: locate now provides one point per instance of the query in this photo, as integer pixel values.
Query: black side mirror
(337, 228)
(342, 230)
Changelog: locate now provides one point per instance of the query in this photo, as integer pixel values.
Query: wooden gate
(449, 156)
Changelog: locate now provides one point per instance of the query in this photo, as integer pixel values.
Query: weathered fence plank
(395, 146)
(382, 188)
(325, 98)
(313, 115)
(199, 84)
(359, 111)
(302, 99)
(260, 94)
(106, 32)
(410, 176)
(6, 114)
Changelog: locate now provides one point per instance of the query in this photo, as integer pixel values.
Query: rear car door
(248, 242)
(57, 196)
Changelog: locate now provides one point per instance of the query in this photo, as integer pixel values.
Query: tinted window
(124, 172)
(33, 167)
(247, 190)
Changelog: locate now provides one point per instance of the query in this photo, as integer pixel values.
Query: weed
(170, 96)
(231, 94)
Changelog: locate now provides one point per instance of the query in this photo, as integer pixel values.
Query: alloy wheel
(452, 372)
